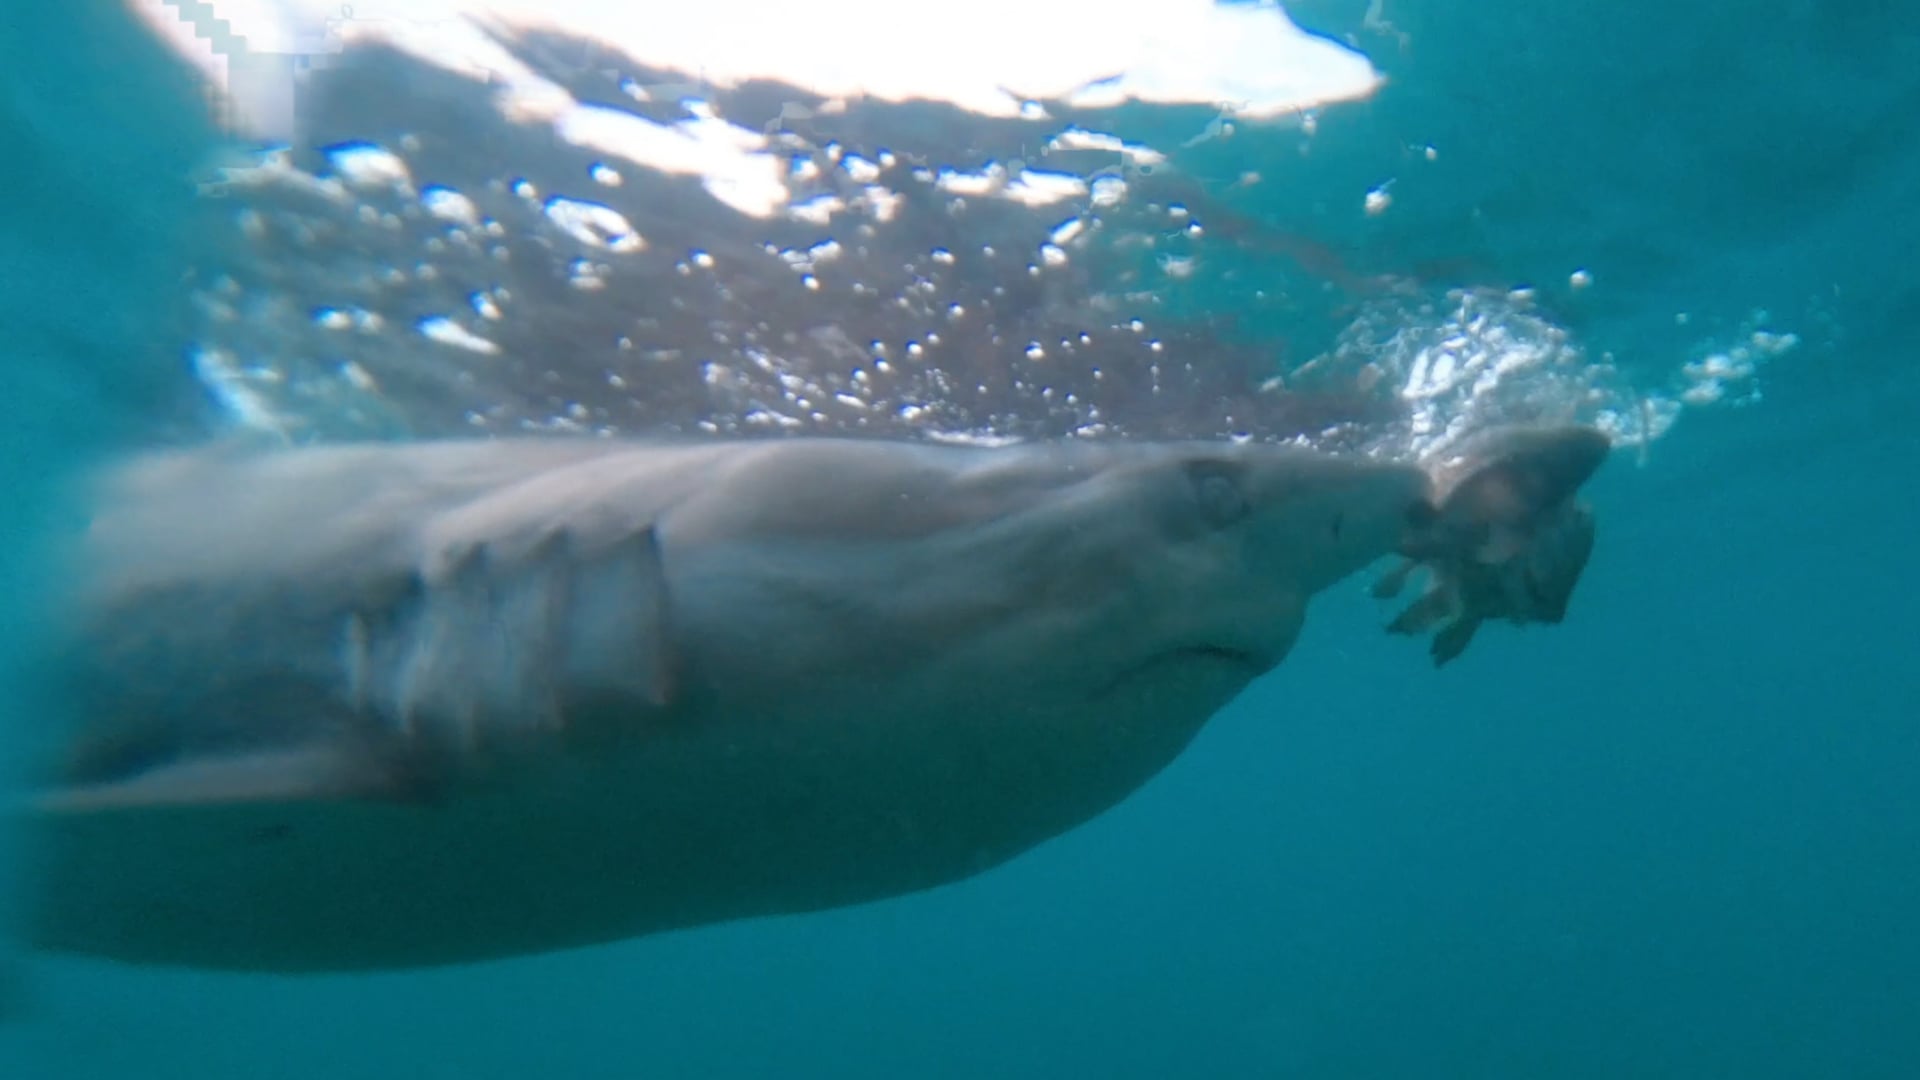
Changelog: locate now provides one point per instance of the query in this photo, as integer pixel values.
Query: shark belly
(709, 818)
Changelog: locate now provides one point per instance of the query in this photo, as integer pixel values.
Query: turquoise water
(1674, 837)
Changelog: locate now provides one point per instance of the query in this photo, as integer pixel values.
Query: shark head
(1069, 568)
(1106, 562)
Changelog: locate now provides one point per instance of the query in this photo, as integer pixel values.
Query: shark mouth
(1243, 657)
(1244, 664)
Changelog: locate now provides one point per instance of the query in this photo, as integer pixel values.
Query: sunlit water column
(102, 130)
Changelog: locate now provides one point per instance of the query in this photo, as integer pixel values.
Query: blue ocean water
(1675, 836)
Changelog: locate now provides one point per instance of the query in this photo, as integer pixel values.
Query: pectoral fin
(305, 774)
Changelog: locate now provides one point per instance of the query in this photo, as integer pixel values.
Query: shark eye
(1216, 488)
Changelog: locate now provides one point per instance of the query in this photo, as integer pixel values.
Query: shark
(377, 706)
